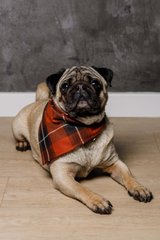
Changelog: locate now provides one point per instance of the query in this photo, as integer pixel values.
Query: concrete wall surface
(38, 37)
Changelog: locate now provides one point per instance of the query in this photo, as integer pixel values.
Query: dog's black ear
(106, 73)
(53, 79)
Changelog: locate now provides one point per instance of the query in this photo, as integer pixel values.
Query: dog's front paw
(22, 146)
(100, 205)
(141, 193)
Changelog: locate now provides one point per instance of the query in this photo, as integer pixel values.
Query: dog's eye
(64, 87)
(96, 84)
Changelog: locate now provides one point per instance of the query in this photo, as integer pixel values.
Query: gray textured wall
(40, 36)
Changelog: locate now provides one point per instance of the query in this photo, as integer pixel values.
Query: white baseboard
(139, 104)
(128, 104)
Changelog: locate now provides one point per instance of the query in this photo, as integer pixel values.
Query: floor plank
(3, 185)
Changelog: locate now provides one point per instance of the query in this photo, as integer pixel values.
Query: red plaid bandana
(59, 133)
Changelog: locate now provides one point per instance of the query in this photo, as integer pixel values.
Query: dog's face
(81, 92)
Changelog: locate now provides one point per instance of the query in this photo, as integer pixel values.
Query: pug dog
(68, 132)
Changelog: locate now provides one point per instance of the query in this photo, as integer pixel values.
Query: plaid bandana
(59, 133)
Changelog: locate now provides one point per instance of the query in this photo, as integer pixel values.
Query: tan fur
(42, 92)
(99, 153)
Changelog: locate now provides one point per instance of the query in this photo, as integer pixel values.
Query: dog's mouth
(82, 102)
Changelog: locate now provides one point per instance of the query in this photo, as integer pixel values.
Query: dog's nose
(81, 87)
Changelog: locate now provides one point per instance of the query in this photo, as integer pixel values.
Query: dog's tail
(42, 92)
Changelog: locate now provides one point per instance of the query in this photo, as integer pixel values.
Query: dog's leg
(20, 133)
(120, 172)
(64, 179)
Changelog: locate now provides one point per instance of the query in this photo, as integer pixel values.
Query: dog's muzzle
(81, 99)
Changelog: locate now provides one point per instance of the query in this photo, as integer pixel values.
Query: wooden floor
(31, 209)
